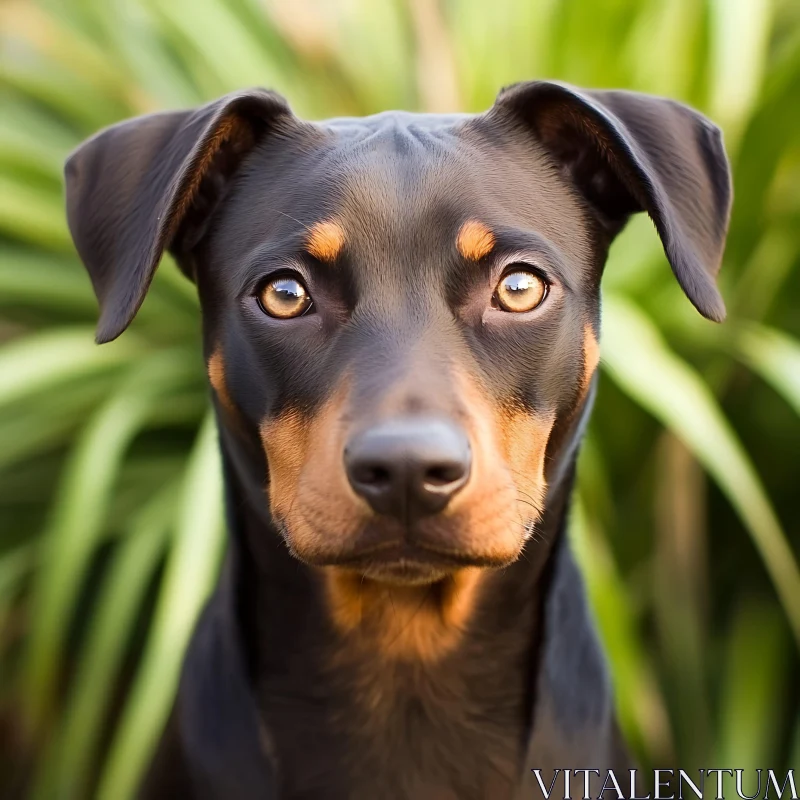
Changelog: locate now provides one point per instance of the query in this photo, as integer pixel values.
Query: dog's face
(401, 311)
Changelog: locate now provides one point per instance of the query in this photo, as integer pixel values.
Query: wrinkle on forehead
(399, 187)
(400, 191)
(393, 190)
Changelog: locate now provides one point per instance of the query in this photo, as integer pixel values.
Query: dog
(400, 318)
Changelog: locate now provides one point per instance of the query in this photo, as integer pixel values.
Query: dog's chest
(433, 740)
(392, 732)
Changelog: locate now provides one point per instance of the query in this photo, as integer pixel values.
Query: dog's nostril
(372, 475)
(444, 474)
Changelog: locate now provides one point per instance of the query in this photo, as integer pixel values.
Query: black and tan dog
(400, 317)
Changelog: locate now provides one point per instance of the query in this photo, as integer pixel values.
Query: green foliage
(687, 520)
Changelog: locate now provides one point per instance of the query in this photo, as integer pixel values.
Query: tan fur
(507, 484)
(325, 240)
(475, 240)
(308, 489)
(524, 438)
(416, 623)
(285, 440)
(216, 377)
(309, 493)
(591, 356)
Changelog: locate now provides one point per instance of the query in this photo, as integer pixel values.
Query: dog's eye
(520, 291)
(284, 297)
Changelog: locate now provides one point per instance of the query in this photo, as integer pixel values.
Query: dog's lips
(387, 550)
(405, 572)
(403, 563)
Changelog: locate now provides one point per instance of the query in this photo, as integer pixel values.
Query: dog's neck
(374, 694)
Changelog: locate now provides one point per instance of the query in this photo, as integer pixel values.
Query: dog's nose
(410, 467)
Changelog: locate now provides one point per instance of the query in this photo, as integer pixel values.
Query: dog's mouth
(405, 572)
(407, 564)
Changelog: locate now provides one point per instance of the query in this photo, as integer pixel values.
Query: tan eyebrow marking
(474, 240)
(325, 240)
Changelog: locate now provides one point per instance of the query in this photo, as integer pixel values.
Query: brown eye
(284, 298)
(520, 291)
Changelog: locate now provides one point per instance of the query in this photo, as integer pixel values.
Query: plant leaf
(118, 602)
(642, 365)
(773, 355)
(755, 668)
(78, 516)
(642, 714)
(190, 574)
(39, 362)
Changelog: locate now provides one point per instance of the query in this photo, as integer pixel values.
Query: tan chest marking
(417, 623)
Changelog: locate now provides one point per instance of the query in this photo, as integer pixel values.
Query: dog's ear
(150, 184)
(629, 152)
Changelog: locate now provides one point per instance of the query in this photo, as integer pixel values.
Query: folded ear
(150, 184)
(628, 152)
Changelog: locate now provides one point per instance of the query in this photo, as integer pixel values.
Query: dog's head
(401, 311)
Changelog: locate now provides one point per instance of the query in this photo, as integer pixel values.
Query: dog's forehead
(408, 181)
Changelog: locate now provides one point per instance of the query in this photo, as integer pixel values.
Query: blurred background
(687, 520)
